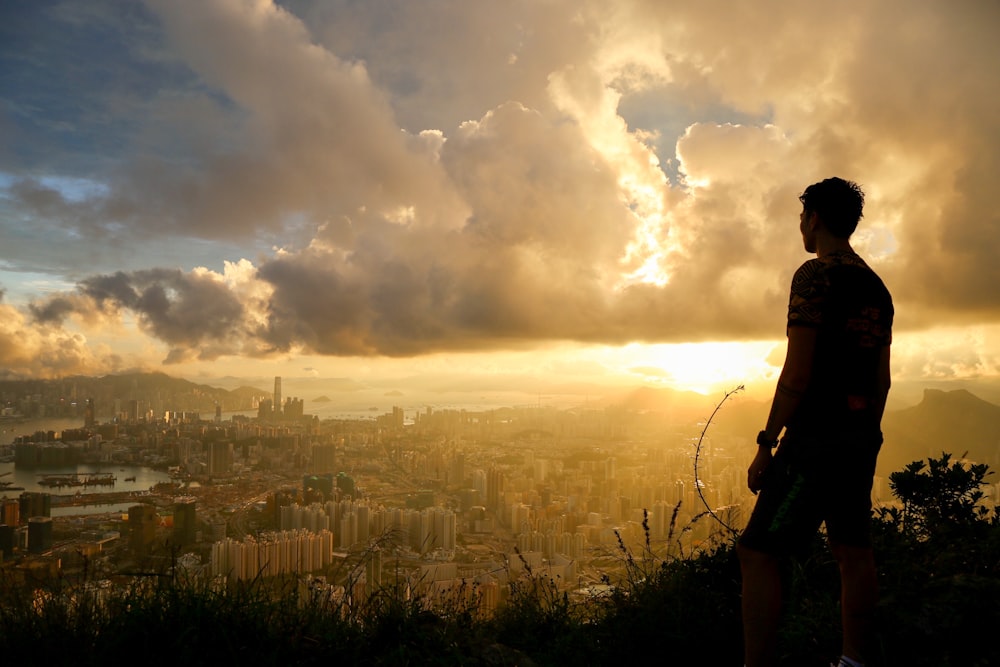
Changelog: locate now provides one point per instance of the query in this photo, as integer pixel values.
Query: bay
(127, 478)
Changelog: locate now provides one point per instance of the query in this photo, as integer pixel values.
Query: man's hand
(755, 474)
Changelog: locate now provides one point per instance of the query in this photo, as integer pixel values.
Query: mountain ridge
(955, 421)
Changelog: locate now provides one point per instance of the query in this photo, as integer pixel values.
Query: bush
(939, 498)
(939, 566)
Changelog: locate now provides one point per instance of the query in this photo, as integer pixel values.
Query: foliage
(672, 605)
(539, 618)
(938, 496)
(939, 566)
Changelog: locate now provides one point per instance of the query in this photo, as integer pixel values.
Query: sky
(530, 191)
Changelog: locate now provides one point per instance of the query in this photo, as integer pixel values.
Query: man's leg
(858, 596)
(761, 605)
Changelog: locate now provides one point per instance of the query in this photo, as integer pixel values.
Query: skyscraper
(10, 512)
(185, 520)
(35, 504)
(324, 458)
(89, 418)
(39, 534)
(277, 395)
(142, 522)
(220, 458)
(6, 541)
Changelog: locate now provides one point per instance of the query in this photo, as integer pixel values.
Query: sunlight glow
(641, 182)
(646, 248)
(701, 367)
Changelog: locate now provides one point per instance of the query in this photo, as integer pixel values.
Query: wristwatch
(764, 441)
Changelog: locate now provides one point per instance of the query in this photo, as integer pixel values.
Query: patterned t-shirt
(847, 302)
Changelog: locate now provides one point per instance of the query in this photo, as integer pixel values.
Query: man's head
(837, 202)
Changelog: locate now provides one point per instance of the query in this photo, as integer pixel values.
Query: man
(829, 401)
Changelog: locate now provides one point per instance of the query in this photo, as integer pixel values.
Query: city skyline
(483, 195)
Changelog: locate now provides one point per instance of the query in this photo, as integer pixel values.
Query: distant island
(321, 399)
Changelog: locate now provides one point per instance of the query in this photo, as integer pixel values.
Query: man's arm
(792, 384)
(883, 381)
(794, 379)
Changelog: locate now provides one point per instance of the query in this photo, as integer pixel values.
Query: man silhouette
(829, 401)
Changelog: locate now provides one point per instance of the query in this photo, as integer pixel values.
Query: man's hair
(838, 203)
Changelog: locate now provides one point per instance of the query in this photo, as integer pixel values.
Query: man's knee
(751, 559)
(853, 558)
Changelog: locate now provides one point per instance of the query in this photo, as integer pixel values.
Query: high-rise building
(494, 489)
(364, 523)
(277, 395)
(39, 534)
(373, 569)
(10, 512)
(89, 419)
(323, 458)
(445, 528)
(35, 504)
(220, 458)
(185, 520)
(345, 483)
(272, 554)
(456, 469)
(6, 541)
(318, 487)
(293, 409)
(142, 522)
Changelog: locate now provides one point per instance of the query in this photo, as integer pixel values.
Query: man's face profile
(807, 226)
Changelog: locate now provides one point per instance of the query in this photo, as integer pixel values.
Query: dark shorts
(811, 480)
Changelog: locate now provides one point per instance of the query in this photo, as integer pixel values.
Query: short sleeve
(808, 295)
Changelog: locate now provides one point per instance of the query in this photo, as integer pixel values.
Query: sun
(702, 367)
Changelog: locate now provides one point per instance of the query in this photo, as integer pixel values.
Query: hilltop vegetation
(939, 569)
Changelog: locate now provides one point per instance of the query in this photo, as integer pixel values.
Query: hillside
(156, 391)
(955, 421)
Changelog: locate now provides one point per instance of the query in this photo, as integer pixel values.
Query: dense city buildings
(435, 497)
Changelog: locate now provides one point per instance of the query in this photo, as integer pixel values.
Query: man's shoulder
(835, 281)
(822, 271)
(811, 272)
(857, 277)
(811, 266)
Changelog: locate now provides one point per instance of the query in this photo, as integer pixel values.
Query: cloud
(443, 62)
(197, 314)
(948, 353)
(442, 175)
(900, 96)
(27, 350)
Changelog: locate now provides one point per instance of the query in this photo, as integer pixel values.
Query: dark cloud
(189, 311)
(53, 311)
